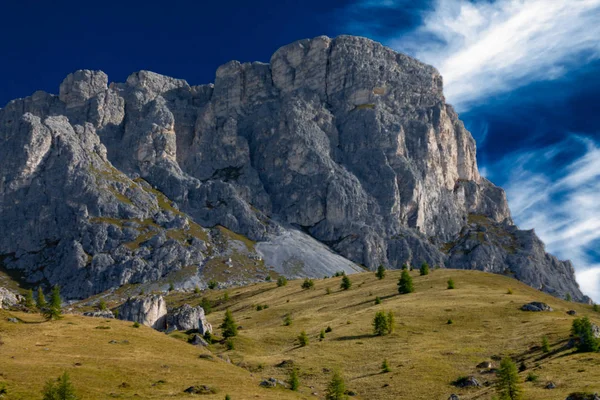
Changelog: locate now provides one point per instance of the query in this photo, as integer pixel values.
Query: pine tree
(545, 345)
(28, 301)
(228, 327)
(377, 300)
(227, 397)
(380, 274)
(390, 322)
(380, 324)
(54, 310)
(596, 307)
(102, 305)
(568, 297)
(336, 390)
(385, 367)
(405, 284)
(61, 389)
(303, 339)
(424, 270)
(40, 301)
(404, 267)
(508, 381)
(287, 320)
(346, 283)
(450, 283)
(308, 284)
(322, 335)
(582, 329)
(281, 281)
(294, 381)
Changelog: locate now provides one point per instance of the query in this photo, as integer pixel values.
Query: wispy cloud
(483, 47)
(562, 205)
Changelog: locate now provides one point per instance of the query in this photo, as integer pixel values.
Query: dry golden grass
(424, 352)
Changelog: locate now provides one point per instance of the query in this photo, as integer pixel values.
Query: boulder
(8, 298)
(147, 310)
(99, 314)
(550, 385)
(453, 397)
(186, 318)
(536, 306)
(200, 389)
(485, 365)
(198, 340)
(572, 312)
(466, 382)
(583, 396)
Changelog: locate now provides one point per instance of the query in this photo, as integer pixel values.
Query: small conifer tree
(287, 320)
(281, 281)
(568, 297)
(308, 284)
(336, 390)
(227, 397)
(508, 381)
(228, 327)
(102, 305)
(28, 301)
(54, 310)
(545, 345)
(404, 267)
(405, 284)
(60, 389)
(322, 335)
(582, 329)
(380, 272)
(391, 322)
(596, 307)
(40, 300)
(303, 339)
(380, 324)
(451, 283)
(424, 270)
(385, 366)
(377, 300)
(206, 305)
(294, 381)
(346, 283)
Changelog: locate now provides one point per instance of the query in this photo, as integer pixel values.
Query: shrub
(197, 290)
(450, 283)
(404, 267)
(328, 329)
(385, 367)
(136, 324)
(568, 297)
(450, 322)
(346, 283)
(340, 273)
(116, 313)
(287, 320)
(226, 296)
(377, 300)
(596, 307)
(3, 390)
(328, 290)
(28, 300)
(424, 270)
(281, 281)
(228, 327)
(59, 389)
(268, 278)
(380, 324)
(531, 377)
(405, 284)
(41, 299)
(208, 337)
(171, 287)
(336, 389)
(212, 284)
(54, 310)
(294, 381)
(229, 344)
(583, 331)
(308, 284)
(508, 381)
(380, 274)
(206, 305)
(227, 397)
(509, 291)
(102, 305)
(303, 339)
(322, 335)
(545, 345)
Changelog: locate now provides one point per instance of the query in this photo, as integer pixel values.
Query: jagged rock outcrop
(100, 314)
(8, 298)
(340, 140)
(187, 317)
(146, 310)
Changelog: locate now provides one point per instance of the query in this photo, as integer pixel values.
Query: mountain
(340, 153)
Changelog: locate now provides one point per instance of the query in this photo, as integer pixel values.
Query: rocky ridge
(341, 144)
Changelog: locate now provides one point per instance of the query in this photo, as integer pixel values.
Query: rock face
(146, 310)
(187, 317)
(100, 314)
(339, 141)
(8, 298)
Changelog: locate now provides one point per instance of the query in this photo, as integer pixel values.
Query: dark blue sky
(530, 99)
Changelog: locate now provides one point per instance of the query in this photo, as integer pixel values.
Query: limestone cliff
(340, 140)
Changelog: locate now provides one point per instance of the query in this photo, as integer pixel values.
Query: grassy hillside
(425, 352)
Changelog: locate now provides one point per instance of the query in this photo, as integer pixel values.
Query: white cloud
(485, 48)
(561, 205)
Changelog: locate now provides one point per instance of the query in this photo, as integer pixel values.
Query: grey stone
(338, 153)
(485, 365)
(550, 385)
(100, 314)
(186, 318)
(8, 298)
(198, 340)
(147, 310)
(453, 397)
(572, 312)
(469, 381)
(536, 306)
(583, 396)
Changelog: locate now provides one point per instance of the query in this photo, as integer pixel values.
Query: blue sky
(523, 74)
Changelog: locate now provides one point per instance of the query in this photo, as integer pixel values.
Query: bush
(336, 389)
(405, 284)
(545, 345)
(228, 327)
(583, 331)
(171, 287)
(281, 281)
(385, 367)
(294, 381)
(340, 273)
(596, 307)
(308, 284)
(508, 381)
(196, 290)
(102, 305)
(568, 297)
(227, 397)
(206, 305)
(54, 309)
(226, 296)
(509, 291)
(346, 283)
(450, 283)
(229, 344)
(212, 284)
(322, 335)
(450, 322)
(328, 290)
(287, 320)
(377, 300)
(268, 278)
(380, 324)
(136, 324)
(531, 377)
(59, 389)
(380, 274)
(404, 267)
(3, 390)
(303, 339)
(424, 270)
